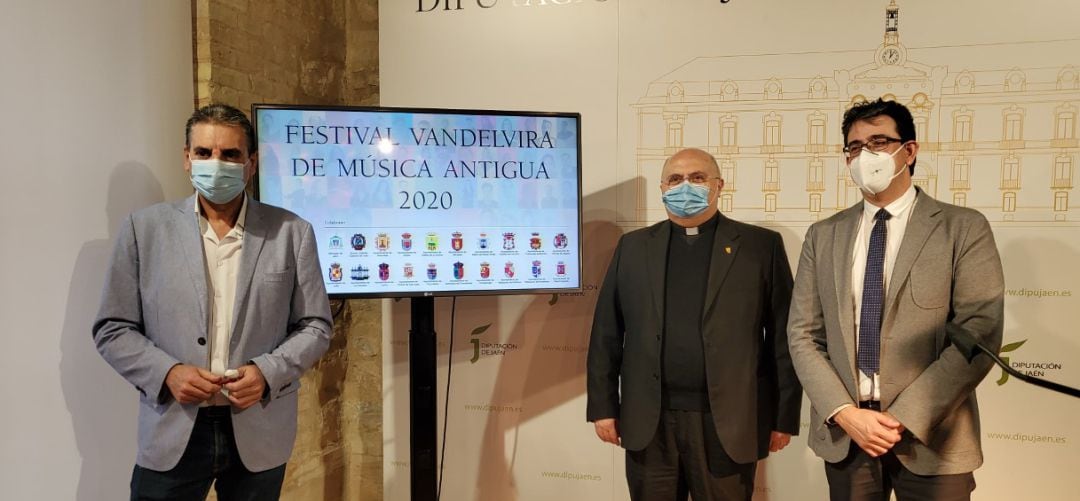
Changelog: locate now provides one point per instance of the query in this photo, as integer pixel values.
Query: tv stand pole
(423, 416)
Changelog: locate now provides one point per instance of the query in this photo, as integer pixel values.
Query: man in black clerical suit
(688, 365)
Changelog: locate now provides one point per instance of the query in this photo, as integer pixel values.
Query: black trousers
(686, 457)
(860, 477)
(210, 456)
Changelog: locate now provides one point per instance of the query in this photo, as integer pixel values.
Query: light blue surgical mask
(687, 199)
(217, 181)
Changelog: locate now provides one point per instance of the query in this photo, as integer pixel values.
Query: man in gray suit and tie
(892, 401)
(213, 307)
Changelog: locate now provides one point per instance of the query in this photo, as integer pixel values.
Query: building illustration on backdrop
(997, 125)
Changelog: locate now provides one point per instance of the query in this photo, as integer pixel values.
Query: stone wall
(278, 51)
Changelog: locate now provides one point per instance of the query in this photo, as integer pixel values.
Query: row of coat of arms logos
(360, 273)
(359, 242)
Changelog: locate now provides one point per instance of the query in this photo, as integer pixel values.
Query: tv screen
(429, 202)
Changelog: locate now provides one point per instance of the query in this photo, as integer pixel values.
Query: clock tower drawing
(892, 24)
(891, 53)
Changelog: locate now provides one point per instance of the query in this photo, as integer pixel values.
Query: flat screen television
(429, 202)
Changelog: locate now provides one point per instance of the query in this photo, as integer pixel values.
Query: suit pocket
(277, 276)
(931, 284)
(288, 388)
(151, 402)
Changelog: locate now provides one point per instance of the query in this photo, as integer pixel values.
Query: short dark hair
(225, 115)
(867, 110)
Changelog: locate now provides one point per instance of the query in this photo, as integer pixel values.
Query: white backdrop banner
(995, 91)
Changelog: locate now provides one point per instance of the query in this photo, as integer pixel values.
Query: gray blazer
(154, 312)
(947, 271)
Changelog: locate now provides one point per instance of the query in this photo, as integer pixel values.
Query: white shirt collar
(241, 219)
(896, 208)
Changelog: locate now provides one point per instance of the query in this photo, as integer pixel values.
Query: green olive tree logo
(475, 340)
(1001, 354)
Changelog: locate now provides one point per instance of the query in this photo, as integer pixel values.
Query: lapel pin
(727, 250)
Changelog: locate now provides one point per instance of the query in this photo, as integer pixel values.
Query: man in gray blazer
(688, 365)
(892, 401)
(213, 307)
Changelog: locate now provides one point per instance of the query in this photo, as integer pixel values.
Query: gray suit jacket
(947, 271)
(154, 311)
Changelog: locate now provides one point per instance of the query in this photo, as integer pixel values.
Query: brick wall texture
(311, 52)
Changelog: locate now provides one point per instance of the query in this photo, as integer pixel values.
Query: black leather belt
(870, 404)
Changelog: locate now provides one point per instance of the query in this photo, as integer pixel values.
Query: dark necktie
(873, 297)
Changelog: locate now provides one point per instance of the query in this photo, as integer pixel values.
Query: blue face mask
(687, 199)
(217, 181)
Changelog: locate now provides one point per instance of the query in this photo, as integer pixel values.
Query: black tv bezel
(441, 111)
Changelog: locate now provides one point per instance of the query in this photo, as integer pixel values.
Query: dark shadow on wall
(546, 371)
(554, 333)
(102, 405)
(789, 464)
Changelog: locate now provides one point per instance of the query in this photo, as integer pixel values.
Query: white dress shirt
(222, 267)
(900, 210)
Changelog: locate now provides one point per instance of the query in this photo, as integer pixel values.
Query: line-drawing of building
(997, 126)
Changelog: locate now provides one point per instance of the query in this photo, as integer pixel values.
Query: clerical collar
(705, 227)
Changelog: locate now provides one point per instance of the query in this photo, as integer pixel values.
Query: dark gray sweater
(684, 385)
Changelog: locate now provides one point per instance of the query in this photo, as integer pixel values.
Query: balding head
(706, 163)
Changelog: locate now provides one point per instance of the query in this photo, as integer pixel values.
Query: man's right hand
(191, 385)
(608, 430)
(873, 431)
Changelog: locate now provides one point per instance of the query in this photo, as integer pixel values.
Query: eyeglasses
(693, 177)
(874, 145)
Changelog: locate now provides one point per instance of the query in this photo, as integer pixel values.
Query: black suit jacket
(751, 382)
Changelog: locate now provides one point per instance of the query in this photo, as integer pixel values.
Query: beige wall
(100, 92)
(276, 51)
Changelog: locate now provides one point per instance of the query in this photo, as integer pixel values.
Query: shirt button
(201, 341)
(656, 376)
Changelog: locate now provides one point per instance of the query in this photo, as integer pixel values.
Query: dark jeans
(210, 457)
(686, 457)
